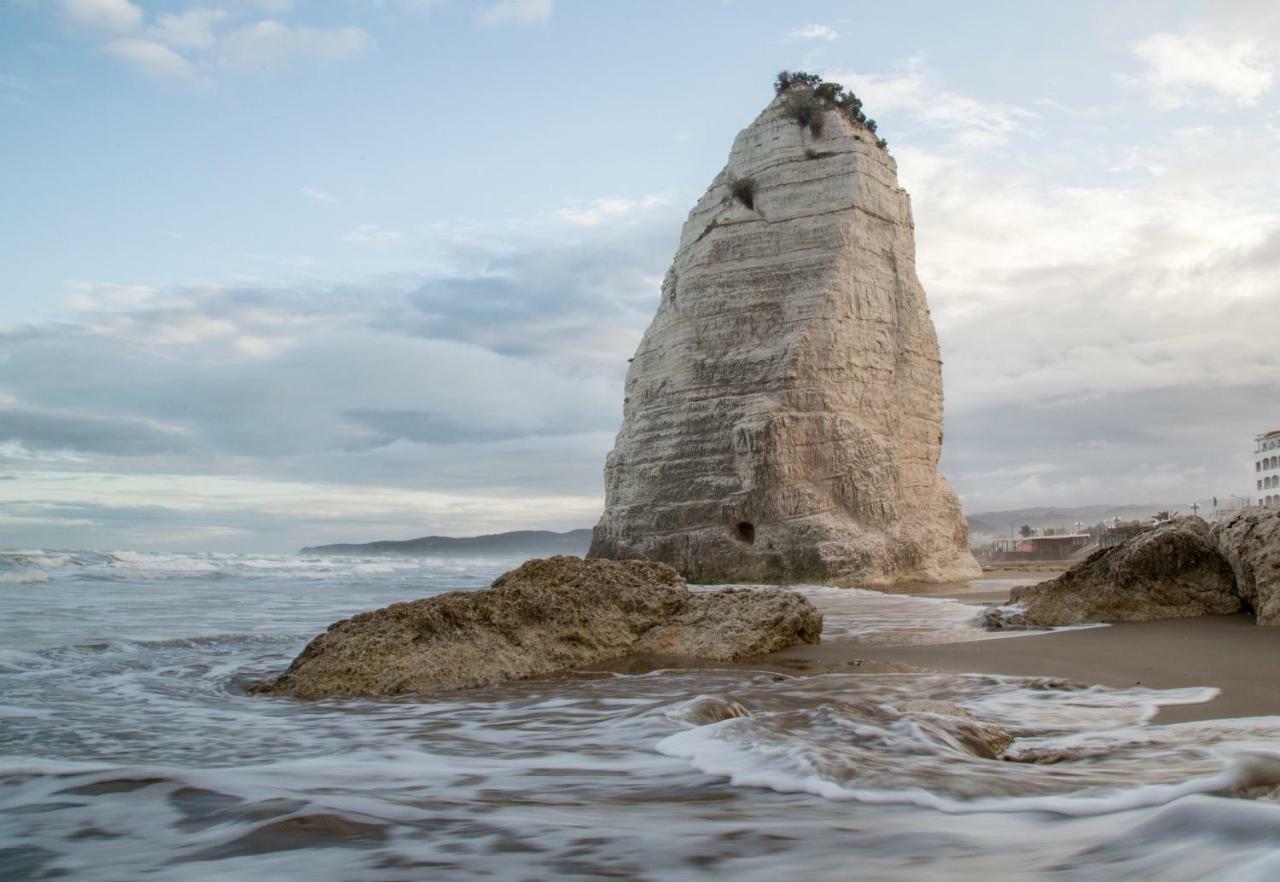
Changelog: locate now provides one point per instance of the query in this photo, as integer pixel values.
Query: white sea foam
(23, 577)
(789, 770)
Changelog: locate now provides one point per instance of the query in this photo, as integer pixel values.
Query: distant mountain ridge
(536, 543)
(999, 523)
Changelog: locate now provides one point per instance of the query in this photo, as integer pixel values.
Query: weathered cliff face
(1250, 544)
(783, 413)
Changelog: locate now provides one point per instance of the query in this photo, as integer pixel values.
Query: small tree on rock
(809, 97)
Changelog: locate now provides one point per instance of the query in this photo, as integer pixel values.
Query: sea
(130, 750)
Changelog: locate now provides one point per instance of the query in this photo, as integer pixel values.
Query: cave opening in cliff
(745, 531)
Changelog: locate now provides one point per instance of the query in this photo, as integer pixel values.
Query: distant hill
(997, 523)
(529, 543)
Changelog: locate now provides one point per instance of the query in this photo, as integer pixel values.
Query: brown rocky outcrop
(1250, 544)
(783, 412)
(545, 616)
(1172, 571)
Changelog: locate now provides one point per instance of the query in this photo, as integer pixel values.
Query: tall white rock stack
(783, 414)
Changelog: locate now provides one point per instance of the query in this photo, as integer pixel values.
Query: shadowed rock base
(1250, 543)
(546, 616)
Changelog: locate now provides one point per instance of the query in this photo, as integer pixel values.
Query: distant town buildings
(1040, 545)
(1053, 546)
(1266, 465)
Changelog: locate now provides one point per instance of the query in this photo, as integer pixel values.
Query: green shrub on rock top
(809, 97)
(787, 79)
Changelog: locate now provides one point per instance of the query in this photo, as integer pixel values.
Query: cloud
(374, 235)
(269, 7)
(460, 402)
(1109, 328)
(316, 195)
(223, 324)
(14, 89)
(155, 60)
(813, 32)
(410, 5)
(1190, 68)
(191, 29)
(193, 44)
(914, 91)
(185, 512)
(1173, 446)
(338, 388)
(515, 12)
(598, 211)
(577, 302)
(107, 16)
(33, 433)
(14, 450)
(501, 380)
(88, 296)
(271, 44)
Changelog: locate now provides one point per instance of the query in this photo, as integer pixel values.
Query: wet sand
(1036, 569)
(1229, 652)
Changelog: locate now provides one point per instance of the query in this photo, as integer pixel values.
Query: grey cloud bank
(496, 390)
(506, 384)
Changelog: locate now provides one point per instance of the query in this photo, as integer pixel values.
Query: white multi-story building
(1266, 464)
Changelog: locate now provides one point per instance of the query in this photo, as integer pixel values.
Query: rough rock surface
(1170, 572)
(1250, 543)
(546, 616)
(783, 413)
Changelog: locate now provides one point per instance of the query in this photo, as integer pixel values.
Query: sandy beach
(1231, 653)
(1040, 569)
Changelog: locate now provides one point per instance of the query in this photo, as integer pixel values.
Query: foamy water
(129, 750)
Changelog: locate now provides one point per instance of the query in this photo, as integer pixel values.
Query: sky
(283, 272)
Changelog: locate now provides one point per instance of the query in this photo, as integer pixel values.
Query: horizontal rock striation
(546, 616)
(783, 413)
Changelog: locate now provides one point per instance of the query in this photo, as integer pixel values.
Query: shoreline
(1041, 569)
(1231, 653)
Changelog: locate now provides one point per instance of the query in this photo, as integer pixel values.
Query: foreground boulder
(1250, 544)
(1172, 571)
(546, 616)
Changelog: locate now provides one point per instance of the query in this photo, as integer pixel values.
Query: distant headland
(532, 543)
